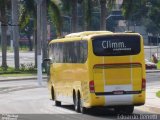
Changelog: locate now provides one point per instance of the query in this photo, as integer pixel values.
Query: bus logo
(116, 46)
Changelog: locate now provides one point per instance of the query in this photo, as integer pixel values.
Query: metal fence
(151, 50)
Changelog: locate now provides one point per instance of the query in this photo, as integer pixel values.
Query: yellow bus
(98, 69)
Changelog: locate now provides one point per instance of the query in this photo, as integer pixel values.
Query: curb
(148, 108)
(152, 71)
(22, 78)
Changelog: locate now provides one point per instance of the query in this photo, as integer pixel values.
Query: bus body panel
(66, 78)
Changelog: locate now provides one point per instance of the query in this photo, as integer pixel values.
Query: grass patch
(21, 48)
(18, 75)
(158, 94)
(24, 69)
(158, 65)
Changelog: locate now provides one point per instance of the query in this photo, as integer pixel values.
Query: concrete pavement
(152, 101)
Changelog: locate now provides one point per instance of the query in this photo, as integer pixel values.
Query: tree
(154, 15)
(74, 15)
(4, 24)
(29, 11)
(103, 14)
(87, 13)
(55, 16)
(71, 7)
(105, 6)
(145, 12)
(134, 9)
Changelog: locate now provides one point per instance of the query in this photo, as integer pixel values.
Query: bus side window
(64, 53)
(84, 51)
(60, 50)
(56, 53)
(53, 51)
(81, 52)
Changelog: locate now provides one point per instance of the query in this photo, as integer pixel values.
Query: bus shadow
(94, 112)
(68, 107)
(104, 113)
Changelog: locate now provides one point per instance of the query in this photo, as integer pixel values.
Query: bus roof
(79, 35)
(85, 33)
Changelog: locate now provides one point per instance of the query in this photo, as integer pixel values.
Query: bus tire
(76, 103)
(83, 110)
(52, 94)
(57, 103)
(129, 109)
(124, 110)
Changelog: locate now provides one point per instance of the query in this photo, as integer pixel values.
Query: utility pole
(15, 32)
(39, 40)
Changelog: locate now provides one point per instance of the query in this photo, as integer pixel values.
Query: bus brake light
(91, 86)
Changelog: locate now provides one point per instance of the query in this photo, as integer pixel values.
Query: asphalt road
(31, 102)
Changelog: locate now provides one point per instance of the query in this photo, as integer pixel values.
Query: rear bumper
(116, 100)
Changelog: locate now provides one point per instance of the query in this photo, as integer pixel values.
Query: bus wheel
(82, 109)
(57, 103)
(52, 94)
(124, 110)
(76, 103)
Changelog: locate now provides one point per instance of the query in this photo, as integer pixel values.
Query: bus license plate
(118, 92)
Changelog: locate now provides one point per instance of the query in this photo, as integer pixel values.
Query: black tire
(124, 110)
(57, 103)
(52, 94)
(76, 103)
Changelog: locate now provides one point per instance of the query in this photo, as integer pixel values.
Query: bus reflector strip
(117, 65)
(91, 86)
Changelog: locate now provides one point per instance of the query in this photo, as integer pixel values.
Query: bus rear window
(116, 45)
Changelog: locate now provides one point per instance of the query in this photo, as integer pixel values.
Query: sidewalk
(34, 77)
(152, 101)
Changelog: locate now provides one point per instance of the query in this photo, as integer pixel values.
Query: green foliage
(55, 17)
(154, 14)
(158, 94)
(66, 6)
(5, 5)
(8, 70)
(134, 9)
(146, 12)
(158, 64)
(29, 67)
(27, 11)
(88, 13)
(24, 68)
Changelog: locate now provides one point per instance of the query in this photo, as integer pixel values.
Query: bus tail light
(91, 86)
(143, 84)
